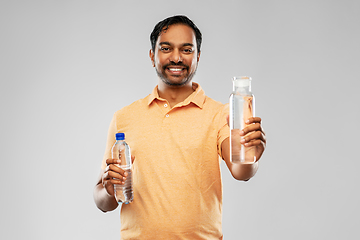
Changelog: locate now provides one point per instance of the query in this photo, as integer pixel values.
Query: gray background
(67, 66)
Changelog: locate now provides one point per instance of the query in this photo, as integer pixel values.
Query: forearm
(103, 200)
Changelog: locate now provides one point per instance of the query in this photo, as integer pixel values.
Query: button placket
(166, 105)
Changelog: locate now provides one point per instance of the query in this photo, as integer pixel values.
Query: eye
(188, 50)
(165, 49)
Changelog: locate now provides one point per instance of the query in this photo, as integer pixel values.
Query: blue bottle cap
(120, 136)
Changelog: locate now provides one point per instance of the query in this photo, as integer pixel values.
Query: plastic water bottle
(121, 150)
(242, 107)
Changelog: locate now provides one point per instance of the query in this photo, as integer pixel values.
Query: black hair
(178, 19)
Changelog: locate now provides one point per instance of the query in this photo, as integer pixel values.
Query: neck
(174, 94)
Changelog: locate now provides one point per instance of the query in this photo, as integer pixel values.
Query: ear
(151, 55)
(198, 56)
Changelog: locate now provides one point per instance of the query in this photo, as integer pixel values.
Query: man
(176, 135)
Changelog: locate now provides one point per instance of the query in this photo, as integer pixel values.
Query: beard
(186, 79)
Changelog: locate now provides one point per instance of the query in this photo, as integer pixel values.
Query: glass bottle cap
(242, 81)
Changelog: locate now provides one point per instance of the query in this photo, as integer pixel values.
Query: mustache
(176, 64)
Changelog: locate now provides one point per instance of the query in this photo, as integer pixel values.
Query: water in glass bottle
(242, 107)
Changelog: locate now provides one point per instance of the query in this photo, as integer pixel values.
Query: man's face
(175, 58)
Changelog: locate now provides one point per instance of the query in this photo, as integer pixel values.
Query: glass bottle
(242, 107)
(121, 150)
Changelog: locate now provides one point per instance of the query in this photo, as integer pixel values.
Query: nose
(175, 56)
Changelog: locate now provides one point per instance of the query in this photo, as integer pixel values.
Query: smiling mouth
(176, 70)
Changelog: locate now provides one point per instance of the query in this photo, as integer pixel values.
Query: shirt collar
(197, 97)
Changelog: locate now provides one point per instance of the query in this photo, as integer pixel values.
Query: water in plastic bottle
(121, 150)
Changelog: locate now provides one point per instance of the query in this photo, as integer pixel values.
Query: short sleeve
(224, 130)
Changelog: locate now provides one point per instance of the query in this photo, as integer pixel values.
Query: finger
(116, 170)
(227, 119)
(116, 182)
(251, 128)
(112, 182)
(112, 161)
(253, 120)
(253, 136)
(113, 168)
(255, 143)
(113, 178)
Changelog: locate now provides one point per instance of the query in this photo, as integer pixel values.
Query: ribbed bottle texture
(121, 150)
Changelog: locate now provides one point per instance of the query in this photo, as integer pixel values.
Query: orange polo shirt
(176, 173)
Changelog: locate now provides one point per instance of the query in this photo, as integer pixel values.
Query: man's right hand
(113, 174)
(104, 193)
